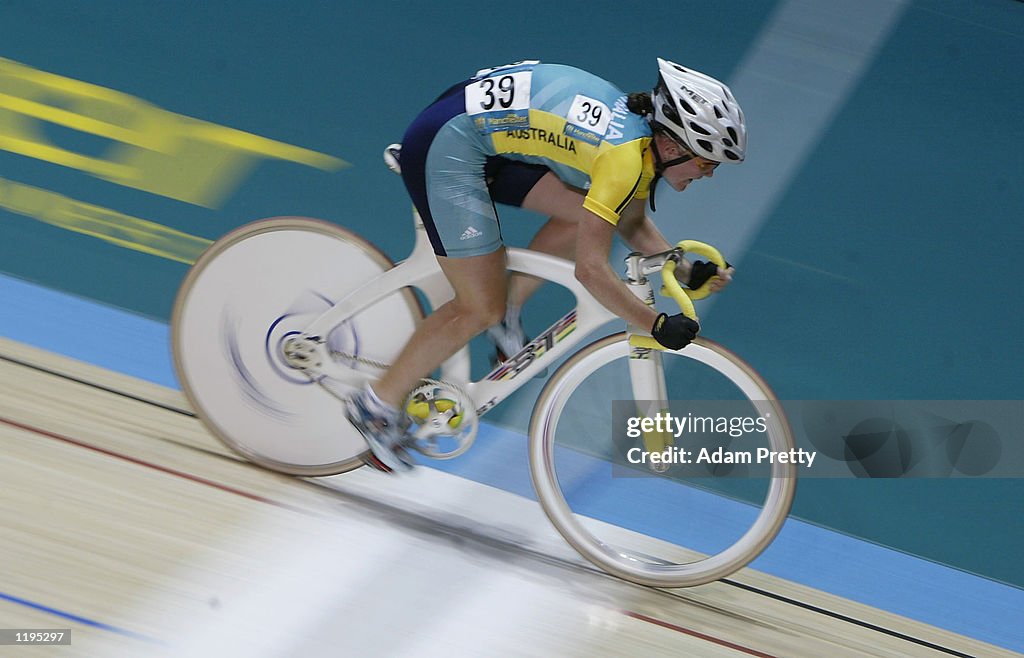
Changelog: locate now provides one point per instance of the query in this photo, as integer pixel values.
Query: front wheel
(664, 526)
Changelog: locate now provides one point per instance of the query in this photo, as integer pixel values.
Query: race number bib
(587, 119)
(500, 101)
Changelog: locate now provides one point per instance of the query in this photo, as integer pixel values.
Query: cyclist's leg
(536, 188)
(443, 168)
(551, 197)
(480, 286)
(480, 290)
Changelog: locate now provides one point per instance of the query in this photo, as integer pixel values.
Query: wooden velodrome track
(125, 522)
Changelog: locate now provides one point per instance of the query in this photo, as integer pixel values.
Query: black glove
(674, 331)
(701, 272)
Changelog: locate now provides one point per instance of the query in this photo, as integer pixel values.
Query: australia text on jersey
(556, 139)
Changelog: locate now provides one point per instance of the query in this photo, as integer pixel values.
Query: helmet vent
(729, 154)
(718, 113)
(686, 106)
(697, 128)
(706, 145)
(732, 134)
(670, 113)
(727, 141)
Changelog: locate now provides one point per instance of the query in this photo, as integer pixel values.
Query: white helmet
(700, 112)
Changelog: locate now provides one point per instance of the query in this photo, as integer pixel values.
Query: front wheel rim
(631, 566)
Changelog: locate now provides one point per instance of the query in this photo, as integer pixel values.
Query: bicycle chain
(335, 354)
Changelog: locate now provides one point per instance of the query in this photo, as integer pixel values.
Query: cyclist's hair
(639, 102)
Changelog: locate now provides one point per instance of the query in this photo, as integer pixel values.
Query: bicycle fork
(646, 369)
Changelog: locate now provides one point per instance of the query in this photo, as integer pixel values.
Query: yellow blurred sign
(151, 149)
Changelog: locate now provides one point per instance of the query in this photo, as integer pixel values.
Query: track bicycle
(280, 320)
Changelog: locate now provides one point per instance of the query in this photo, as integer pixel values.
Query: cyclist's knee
(481, 313)
(563, 222)
(491, 313)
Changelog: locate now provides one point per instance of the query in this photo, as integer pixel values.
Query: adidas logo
(470, 233)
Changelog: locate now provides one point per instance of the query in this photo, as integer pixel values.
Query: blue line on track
(78, 619)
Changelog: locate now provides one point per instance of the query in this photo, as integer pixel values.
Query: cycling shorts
(454, 183)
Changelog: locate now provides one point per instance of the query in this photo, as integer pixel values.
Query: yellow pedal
(444, 405)
(417, 409)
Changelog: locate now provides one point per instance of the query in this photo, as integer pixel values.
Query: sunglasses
(706, 166)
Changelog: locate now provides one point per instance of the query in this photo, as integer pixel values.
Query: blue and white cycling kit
(491, 138)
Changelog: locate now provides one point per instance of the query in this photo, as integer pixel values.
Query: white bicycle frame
(421, 271)
(239, 355)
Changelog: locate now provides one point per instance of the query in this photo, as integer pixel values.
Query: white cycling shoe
(383, 432)
(508, 338)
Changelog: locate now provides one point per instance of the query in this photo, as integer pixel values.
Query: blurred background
(876, 226)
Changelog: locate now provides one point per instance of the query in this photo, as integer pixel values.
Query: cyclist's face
(680, 175)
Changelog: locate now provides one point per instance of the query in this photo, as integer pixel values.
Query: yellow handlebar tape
(707, 251)
(684, 298)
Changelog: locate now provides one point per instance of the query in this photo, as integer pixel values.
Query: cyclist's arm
(616, 176)
(641, 234)
(638, 231)
(593, 245)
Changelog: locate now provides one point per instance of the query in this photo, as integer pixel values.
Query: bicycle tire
(295, 436)
(640, 568)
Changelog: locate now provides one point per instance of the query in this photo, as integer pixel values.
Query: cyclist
(565, 143)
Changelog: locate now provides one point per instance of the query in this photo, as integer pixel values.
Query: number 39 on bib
(587, 119)
(500, 102)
